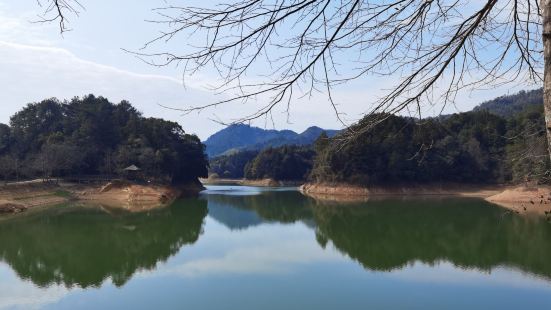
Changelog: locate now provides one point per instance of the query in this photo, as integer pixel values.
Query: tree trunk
(546, 7)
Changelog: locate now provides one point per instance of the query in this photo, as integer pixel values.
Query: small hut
(133, 173)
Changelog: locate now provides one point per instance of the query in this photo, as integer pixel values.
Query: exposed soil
(15, 198)
(131, 197)
(354, 191)
(518, 199)
(115, 195)
(522, 199)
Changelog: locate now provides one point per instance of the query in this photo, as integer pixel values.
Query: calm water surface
(249, 248)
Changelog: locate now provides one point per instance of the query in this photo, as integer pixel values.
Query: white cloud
(34, 67)
(22, 27)
(32, 73)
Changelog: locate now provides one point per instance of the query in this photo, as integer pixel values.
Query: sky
(37, 62)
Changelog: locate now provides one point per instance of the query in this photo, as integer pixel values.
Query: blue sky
(36, 62)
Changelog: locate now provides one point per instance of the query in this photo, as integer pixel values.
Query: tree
(91, 135)
(8, 166)
(288, 162)
(462, 148)
(321, 142)
(5, 138)
(56, 159)
(437, 47)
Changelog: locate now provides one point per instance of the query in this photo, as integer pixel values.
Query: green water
(250, 248)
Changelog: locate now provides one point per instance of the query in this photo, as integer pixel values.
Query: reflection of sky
(15, 293)
(238, 190)
(268, 249)
(280, 266)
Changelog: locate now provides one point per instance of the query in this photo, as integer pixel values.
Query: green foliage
(287, 162)
(527, 153)
(232, 165)
(5, 138)
(91, 135)
(510, 105)
(472, 147)
(468, 147)
(84, 247)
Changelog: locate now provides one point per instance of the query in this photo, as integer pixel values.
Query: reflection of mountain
(233, 217)
(242, 211)
(386, 235)
(84, 247)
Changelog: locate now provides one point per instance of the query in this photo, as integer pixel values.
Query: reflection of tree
(72, 246)
(385, 235)
(242, 211)
(388, 234)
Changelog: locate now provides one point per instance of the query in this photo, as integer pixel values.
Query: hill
(240, 137)
(93, 136)
(510, 105)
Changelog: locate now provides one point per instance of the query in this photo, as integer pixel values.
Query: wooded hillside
(91, 136)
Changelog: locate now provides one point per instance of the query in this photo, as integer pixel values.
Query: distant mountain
(509, 105)
(241, 137)
(244, 137)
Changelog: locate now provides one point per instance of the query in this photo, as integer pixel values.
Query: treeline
(509, 105)
(472, 147)
(231, 166)
(92, 136)
(288, 162)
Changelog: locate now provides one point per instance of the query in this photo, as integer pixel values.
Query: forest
(474, 147)
(92, 136)
(478, 147)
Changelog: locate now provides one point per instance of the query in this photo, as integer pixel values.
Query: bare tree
(58, 11)
(284, 49)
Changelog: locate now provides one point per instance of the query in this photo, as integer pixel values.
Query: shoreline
(348, 190)
(518, 199)
(247, 182)
(17, 198)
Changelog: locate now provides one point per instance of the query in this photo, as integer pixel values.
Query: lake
(238, 247)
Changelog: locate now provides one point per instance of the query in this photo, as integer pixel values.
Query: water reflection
(386, 235)
(83, 247)
(389, 234)
(72, 246)
(243, 211)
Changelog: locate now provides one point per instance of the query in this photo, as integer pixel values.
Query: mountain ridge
(240, 137)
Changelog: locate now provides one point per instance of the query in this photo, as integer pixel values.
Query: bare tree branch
(281, 50)
(58, 11)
